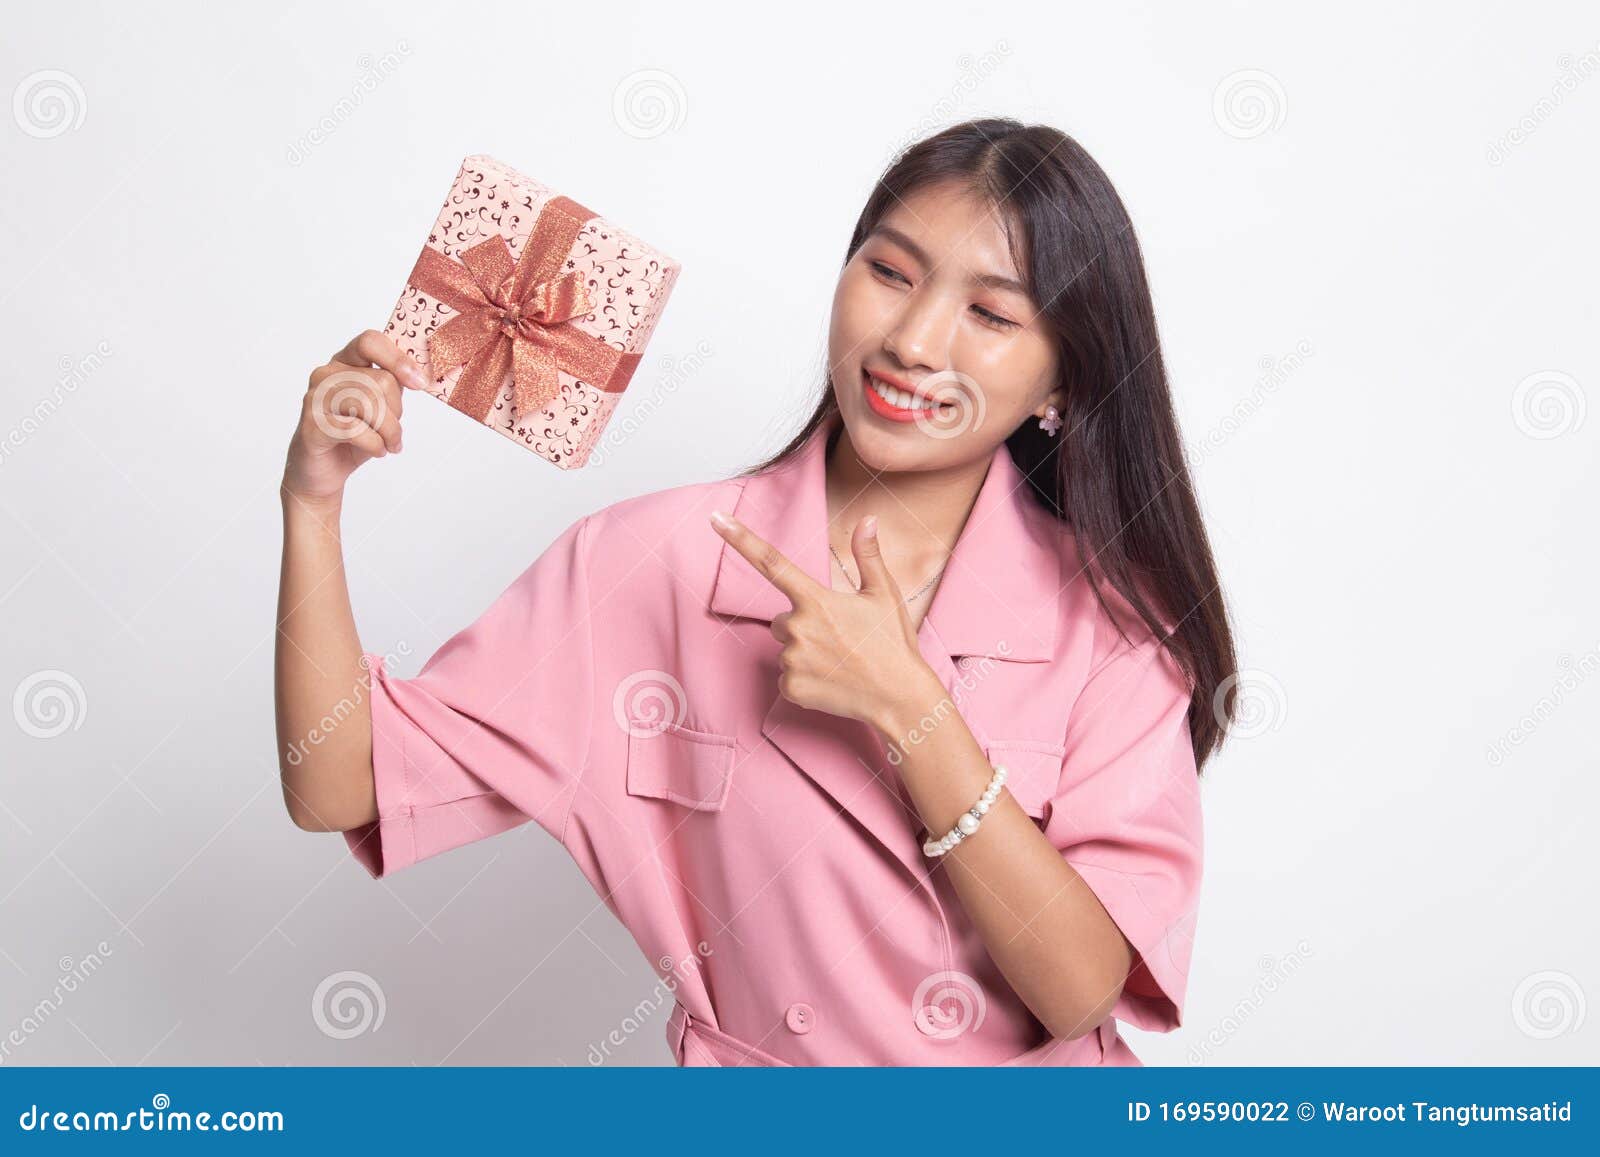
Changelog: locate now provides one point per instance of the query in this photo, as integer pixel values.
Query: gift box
(530, 312)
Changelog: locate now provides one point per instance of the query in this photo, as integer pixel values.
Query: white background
(1403, 510)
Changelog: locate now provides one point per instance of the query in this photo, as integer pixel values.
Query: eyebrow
(987, 280)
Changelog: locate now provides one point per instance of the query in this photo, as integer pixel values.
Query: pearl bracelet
(969, 821)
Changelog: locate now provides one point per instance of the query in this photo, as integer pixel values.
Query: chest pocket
(689, 767)
(1033, 770)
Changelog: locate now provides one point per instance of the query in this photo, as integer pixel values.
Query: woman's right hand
(350, 413)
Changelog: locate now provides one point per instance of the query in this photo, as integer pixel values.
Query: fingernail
(415, 376)
(721, 520)
(872, 526)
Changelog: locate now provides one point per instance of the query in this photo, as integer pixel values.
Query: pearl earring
(1051, 422)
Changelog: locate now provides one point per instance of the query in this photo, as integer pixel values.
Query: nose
(922, 331)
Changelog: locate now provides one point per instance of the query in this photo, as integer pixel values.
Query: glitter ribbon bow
(514, 317)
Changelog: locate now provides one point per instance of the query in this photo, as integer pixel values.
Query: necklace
(909, 598)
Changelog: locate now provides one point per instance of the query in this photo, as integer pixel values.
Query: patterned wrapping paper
(545, 337)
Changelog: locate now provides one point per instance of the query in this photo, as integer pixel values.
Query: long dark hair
(1116, 473)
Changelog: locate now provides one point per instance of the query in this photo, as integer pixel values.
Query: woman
(773, 741)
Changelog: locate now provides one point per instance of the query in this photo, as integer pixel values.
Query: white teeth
(898, 398)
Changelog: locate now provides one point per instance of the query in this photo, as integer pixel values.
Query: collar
(1000, 593)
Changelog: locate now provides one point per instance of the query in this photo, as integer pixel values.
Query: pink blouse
(622, 693)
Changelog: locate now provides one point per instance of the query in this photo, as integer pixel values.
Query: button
(800, 1017)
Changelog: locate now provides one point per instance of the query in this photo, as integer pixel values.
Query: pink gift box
(529, 311)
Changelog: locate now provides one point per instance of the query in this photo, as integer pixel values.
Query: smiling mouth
(897, 404)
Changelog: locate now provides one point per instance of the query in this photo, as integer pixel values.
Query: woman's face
(924, 304)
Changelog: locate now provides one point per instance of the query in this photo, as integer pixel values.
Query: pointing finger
(770, 562)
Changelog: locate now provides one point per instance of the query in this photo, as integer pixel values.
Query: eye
(989, 316)
(994, 318)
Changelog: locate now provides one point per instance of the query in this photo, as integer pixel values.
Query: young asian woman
(767, 715)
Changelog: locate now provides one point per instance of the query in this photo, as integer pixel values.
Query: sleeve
(1127, 816)
(494, 730)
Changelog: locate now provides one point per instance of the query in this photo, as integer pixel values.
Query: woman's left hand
(849, 653)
